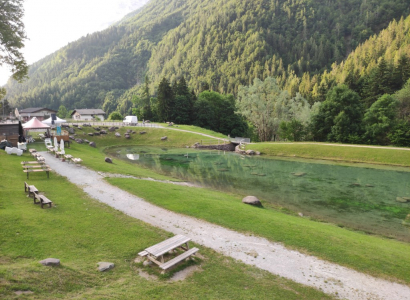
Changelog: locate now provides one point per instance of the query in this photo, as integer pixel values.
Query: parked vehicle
(130, 120)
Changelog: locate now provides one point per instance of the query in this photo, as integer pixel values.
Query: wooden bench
(42, 200)
(143, 253)
(178, 259)
(44, 169)
(31, 189)
(33, 162)
(156, 253)
(76, 160)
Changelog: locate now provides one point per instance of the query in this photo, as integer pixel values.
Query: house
(88, 114)
(41, 113)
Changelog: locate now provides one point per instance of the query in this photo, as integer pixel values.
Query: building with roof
(88, 114)
(41, 113)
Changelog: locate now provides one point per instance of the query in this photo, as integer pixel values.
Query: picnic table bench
(156, 252)
(36, 168)
(42, 200)
(31, 189)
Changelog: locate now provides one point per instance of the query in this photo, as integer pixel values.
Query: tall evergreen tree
(165, 100)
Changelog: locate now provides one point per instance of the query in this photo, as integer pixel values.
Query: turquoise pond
(361, 197)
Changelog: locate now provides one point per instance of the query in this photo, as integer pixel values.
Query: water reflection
(362, 198)
(133, 156)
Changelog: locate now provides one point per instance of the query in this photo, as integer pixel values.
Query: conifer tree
(165, 101)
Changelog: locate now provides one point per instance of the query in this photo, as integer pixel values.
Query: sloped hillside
(222, 43)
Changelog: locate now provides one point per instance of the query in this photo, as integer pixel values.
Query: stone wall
(226, 147)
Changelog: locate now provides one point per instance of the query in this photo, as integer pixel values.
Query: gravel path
(259, 252)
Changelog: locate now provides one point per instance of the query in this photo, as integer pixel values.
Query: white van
(130, 120)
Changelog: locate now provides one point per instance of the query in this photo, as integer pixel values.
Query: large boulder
(112, 129)
(96, 133)
(108, 160)
(143, 132)
(104, 266)
(250, 152)
(251, 200)
(91, 134)
(50, 262)
(164, 138)
(80, 141)
(127, 136)
(71, 137)
(92, 144)
(103, 132)
(71, 130)
(117, 134)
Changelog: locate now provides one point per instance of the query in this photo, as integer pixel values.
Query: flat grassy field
(337, 152)
(82, 232)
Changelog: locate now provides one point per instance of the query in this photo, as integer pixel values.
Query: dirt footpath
(255, 251)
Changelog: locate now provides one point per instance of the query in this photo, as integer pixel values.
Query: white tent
(58, 121)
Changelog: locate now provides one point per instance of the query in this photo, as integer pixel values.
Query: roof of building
(35, 109)
(93, 111)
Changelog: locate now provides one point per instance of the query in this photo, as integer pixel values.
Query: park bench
(76, 160)
(36, 168)
(31, 189)
(179, 258)
(33, 162)
(42, 200)
(156, 252)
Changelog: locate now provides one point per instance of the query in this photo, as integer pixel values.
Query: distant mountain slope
(223, 43)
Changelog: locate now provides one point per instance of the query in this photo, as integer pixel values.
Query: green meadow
(82, 232)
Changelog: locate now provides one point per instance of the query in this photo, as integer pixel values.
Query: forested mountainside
(217, 43)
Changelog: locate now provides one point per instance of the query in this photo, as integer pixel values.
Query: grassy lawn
(337, 153)
(82, 232)
(369, 254)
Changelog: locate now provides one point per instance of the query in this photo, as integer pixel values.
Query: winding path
(256, 251)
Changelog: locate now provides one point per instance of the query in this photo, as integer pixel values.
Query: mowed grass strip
(82, 232)
(369, 254)
(338, 152)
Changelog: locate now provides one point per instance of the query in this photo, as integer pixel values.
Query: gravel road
(273, 257)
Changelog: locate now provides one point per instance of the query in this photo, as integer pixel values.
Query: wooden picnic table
(156, 253)
(32, 162)
(41, 167)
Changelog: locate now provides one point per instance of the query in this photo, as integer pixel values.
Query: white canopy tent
(57, 121)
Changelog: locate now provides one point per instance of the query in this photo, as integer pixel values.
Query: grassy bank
(369, 254)
(82, 232)
(336, 152)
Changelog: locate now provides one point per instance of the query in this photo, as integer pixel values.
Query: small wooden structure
(10, 132)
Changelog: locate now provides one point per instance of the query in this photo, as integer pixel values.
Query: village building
(88, 114)
(41, 113)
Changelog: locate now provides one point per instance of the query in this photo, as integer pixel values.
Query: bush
(115, 116)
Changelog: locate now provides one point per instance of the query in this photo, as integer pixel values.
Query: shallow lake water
(362, 197)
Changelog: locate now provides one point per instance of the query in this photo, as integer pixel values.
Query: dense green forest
(222, 44)
(219, 47)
